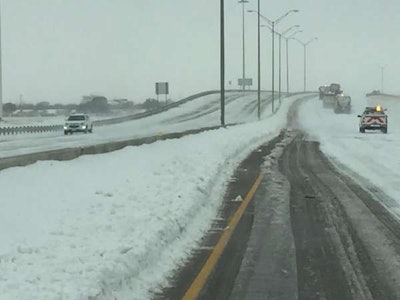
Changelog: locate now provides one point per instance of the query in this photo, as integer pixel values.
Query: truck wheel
(384, 130)
(362, 130)
(65, 132)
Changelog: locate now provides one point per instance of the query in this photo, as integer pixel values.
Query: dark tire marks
(333, 262)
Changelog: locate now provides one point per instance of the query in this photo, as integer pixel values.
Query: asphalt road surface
(310, 232)
(346, 243)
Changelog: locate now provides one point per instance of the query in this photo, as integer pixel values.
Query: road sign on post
(247, 82)
(162, 89)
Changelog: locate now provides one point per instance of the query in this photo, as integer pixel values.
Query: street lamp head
(289, 29)
(269, 27)
(243, 1)
(260, 15)
(296, 39)
(309, 41)
(285, 15)
(291, 37)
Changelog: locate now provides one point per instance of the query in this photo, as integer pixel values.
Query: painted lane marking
(199, 282)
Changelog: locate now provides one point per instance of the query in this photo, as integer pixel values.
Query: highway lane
(201, 112)
(310, 232)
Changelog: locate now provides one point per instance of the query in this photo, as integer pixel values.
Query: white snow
(373, 155)
(206, 110)
(117, 224)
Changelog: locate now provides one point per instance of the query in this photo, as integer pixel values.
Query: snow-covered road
(202, 112)
(118, 224)
(372, 155)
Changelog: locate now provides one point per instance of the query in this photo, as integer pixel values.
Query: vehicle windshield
(76, 118)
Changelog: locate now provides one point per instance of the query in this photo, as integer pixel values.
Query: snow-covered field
(115, 225)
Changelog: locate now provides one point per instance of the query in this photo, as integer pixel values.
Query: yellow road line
(201, 279)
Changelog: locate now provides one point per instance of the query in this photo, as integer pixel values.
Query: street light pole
(273, 57)
(273, 23)
(280, 55)
(243, 46)
(305, 58)
(273, 65)
(280, 71)
(258, 62)
(1, 79)
(287, 66)
(222, 63)
(287, 58)
(382, 69)
(304, 67)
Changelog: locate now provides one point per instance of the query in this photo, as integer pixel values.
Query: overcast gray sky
(60, 50)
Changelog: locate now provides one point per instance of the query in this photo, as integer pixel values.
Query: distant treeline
(95, 105)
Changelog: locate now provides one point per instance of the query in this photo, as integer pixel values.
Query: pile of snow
(117, 224)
